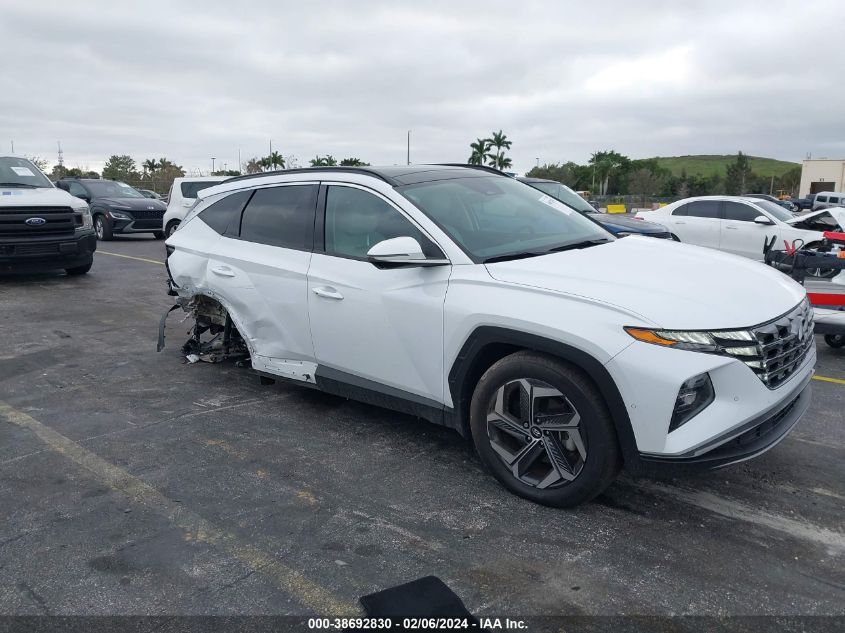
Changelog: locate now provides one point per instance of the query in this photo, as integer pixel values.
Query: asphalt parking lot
(131, 483)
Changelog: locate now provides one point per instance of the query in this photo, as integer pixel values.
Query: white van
(183, 194)
(825, 199)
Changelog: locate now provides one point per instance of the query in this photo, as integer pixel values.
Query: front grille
(147, 214)
(58, 221)
(146, 224)
(778, 348)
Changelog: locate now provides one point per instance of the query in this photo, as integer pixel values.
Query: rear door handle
(676, 222)
(327, 292)
(223, 271)
(732, 228)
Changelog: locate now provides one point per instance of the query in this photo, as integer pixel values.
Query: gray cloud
(195, 80)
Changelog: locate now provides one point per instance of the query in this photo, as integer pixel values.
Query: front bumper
(138, 225)
(745, 419)
(47, 253)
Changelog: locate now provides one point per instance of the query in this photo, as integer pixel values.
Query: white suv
(475, 301)
(182, 196)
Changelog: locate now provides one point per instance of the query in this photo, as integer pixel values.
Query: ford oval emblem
(35, 221)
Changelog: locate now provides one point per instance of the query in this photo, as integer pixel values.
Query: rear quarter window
(281, 216)
(221, 213)
(190, 189)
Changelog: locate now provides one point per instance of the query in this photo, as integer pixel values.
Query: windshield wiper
(510, 256)
(574, 245)
(17, 184)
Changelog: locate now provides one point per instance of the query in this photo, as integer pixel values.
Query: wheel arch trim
(466, 369)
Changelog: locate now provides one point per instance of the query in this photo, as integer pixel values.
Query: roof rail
(304, 170)
(492, 170)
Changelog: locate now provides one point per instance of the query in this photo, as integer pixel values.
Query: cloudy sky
(192, 80)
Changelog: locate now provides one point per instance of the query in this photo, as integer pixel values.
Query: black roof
(395, 175)
(528, 179)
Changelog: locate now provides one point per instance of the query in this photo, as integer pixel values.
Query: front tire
(103, 227)
(159, 235)
(543, 430)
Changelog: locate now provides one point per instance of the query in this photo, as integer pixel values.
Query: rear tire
(542, 428)
(171, 227)
(835, 340)
(79, 270)
(103, 227)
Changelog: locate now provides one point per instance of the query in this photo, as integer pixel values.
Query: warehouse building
(822, 174)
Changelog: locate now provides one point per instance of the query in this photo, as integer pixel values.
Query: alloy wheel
(99, 228)
(536, 432)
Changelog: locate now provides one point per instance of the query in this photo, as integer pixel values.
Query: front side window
(775, 210)
(492, 217)
(21, 173)
(75, 189)
(357, 220)
(704, 209)
(220, 214)
(740, 212)
(281, 216)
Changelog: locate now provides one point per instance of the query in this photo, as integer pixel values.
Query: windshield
(492, 216)
(112, 189)
(774, 209)
(20, 172)
(564, 194)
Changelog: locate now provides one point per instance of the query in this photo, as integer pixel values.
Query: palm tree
(324, 161)
(151, 165)
(265, 163)
(480, 151)
(500, 141)
(502, 162)
(276, 159)
(353, 162)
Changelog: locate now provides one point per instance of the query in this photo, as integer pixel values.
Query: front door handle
(327, 292)
(676, 222)
(732, 228)
(223, 271)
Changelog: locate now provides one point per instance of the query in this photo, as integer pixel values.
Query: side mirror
(402, 250)
(762, 219)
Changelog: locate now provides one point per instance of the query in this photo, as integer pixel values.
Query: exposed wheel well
(487, 345)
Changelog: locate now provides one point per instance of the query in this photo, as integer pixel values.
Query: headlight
(117, 215)
(693, 340)
(85, 219)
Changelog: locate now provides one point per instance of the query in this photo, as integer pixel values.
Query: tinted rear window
(281, 216)
(703, 209)
(190, 189)
(219, 214)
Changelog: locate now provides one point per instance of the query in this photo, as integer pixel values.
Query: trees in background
(353, 162)
(737, 176)
(482, 150)
(120, 167)
(324, 161)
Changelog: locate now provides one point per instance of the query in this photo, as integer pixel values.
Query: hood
(135, 204)
(41, 197)
(669, 284)
(838, 214)
(625, 223)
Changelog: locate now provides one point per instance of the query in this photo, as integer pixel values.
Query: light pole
(212, 164)
(409, 147)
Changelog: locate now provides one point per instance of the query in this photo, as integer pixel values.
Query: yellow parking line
(837, 381)
(194, 527)
(140, 259)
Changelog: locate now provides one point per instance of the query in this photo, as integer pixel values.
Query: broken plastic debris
(192, 358)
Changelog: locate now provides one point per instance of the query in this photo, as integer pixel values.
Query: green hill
(707, 165)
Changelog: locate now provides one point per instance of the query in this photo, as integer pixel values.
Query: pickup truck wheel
(171, 227)
(103, 228)
(542, 428)
(79, 270)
